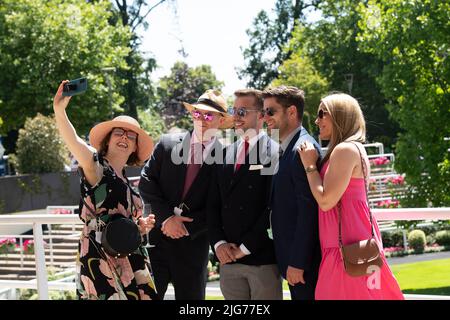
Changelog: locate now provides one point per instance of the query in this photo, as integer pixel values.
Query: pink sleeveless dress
(334, 283)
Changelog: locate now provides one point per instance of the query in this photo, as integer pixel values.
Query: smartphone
(75, 87)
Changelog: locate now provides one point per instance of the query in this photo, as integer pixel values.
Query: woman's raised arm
(82, 152)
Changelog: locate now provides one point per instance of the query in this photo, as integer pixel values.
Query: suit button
(225, 206)
(241, 208)
(250, 187)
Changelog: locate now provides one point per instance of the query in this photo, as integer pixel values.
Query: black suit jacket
(162, 182)
(238, 201)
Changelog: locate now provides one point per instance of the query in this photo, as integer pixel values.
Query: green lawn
(428, 277)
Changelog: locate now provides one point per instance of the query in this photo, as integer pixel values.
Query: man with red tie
(238, 218)
(175, 182)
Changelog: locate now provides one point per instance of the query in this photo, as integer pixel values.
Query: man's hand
(174, 227)
(237, 252)
(224, 253)
(294, 276)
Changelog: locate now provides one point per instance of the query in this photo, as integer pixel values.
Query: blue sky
(211, 32)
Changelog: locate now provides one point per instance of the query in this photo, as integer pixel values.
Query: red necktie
(241, 157)
(194, 166)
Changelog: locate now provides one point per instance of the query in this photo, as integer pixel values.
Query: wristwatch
(310, 168)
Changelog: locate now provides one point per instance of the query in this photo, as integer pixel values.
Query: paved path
(419, 257)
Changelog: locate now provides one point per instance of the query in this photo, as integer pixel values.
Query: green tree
(268, 38)
(412, 39)
(138, 89)
(331, 43)
(184, 84)
(44, 42)
(299, 71)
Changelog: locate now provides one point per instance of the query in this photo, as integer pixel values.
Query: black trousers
(183, 262)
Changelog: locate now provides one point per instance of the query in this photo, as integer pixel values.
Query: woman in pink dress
(341, 179)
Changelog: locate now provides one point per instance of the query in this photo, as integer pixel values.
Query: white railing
(37, 220)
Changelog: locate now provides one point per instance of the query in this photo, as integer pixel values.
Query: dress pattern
(334, 283)
(100, 276)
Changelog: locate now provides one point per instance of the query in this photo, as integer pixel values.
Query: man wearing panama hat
(175, 182)
(106, 193)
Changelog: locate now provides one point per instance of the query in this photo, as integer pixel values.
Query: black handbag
(121, 236)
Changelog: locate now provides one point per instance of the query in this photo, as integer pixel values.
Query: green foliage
(184, 84)
(152, 122)
(40, 148)
(417, 240)
(300, 72)
(443, 237)
(412, 40)
(392, 238)
(332, 45)
(44, 42)
(268, 37)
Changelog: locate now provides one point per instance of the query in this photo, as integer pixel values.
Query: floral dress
(100, 276)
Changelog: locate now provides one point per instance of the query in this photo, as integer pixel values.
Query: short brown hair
(287, 96)
(257, 94)
(133, 159)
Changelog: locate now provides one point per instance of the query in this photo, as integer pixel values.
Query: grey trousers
(245, 282)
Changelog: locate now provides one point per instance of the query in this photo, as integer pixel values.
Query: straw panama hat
(101, 130)
(212, 100)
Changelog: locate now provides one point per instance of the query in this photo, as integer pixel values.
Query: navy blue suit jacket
(295, 212)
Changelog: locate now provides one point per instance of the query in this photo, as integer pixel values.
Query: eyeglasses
(206, 116)
(321, 113)
(269, 112)
(241, 112)
(119, 132)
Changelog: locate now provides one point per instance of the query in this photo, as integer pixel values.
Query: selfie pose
(116, 266)
(348, 232)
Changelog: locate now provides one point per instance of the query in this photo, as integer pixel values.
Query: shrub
(443, 237)
(40, 148)
(392, 238)
(417, 240)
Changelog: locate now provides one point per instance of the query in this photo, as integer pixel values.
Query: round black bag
(121, 236)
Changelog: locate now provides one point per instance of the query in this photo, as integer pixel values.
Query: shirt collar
(252, 141)
(288, 139)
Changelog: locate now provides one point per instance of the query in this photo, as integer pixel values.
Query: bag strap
(363, 167)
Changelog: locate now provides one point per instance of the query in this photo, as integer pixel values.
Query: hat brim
(101, 130)
(227, 123)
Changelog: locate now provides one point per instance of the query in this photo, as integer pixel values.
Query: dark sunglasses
(321, 113)
(119, 132)
(241, 112)
(268, 111)
(206, 116)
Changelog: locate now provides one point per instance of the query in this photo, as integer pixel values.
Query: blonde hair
(347, 120)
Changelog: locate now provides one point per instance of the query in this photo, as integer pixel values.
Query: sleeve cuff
(218, 243)
(244, 249)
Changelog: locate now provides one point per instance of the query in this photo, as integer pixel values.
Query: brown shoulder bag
(361, 258)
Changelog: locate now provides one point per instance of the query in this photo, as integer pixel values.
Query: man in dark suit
(175, 182)
(294, 211)
(238, 218)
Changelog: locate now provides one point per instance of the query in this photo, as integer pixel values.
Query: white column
(41, 270)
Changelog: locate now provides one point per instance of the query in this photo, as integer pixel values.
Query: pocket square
(256, 167)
